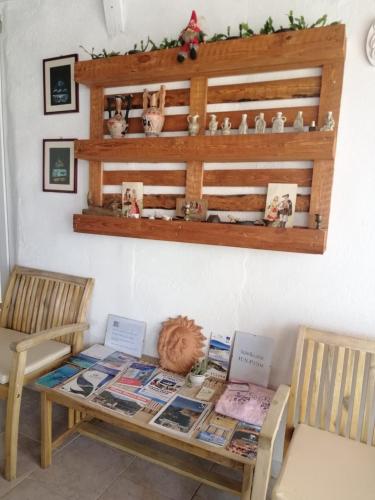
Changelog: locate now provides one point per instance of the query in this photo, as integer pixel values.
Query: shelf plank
(232, 148)
(294, 49)
(96, 167)
(266, 238)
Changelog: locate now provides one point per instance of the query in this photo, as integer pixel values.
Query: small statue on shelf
(190, 38)
(242, 129)
(329, 123)
(260, 124)
(278, 123)
(118, 124)
(153, 112)
(193, 124)
(226, 126)
(213, 125)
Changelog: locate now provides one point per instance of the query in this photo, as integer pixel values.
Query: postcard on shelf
(281, 204)
(119, 400)
(98, 351)
(181, 415)
(125, 335)
(132, 199)
(87, 382)
(58, 376)
(219, 350)
(137, 375)
(82, 360)
(244, 440)
(192, 209)
(162, 386)
(251, 359)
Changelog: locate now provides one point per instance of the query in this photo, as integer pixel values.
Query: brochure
(181, 415)
(98, 351)
(82, 360)
(117, 361)
(218, 430)
(124, 402)
(219, 355)
(58, 376)
(86, 383)
(137, 375)
(163, 386)
(244, 441)
(125, 335)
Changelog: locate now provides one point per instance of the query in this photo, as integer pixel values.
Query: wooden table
(82, 415)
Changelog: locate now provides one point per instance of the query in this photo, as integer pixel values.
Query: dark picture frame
(61, 94)
(59, 166)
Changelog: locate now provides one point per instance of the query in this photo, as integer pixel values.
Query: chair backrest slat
(37, 300)
(334, 384)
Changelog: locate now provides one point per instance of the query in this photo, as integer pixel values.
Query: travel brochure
(219, 350)
(125, 402)
(87, 382)
(218, 430)
(244, 441)
(58, 376)
(163, 386)
(138, 374)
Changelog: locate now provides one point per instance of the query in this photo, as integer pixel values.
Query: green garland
(295, 24)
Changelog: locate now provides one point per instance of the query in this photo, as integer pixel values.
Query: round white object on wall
(370, 44)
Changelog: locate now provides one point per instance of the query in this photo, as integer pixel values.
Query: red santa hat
(193, 18)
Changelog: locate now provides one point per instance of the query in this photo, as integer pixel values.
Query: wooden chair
(332, 418)
(42, 321)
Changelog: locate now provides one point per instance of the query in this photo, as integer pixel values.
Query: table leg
(71, 416)
(46, 430)
(247, 479)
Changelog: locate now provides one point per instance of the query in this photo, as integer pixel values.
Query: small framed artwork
(59, 166)
(60, 89)
(281, 204)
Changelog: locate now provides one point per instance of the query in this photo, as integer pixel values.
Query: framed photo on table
(60, 89)
(59, 166)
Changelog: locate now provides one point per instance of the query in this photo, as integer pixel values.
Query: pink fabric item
(246, 402)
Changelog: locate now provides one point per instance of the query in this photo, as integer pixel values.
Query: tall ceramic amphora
(153, 112)
(117, 124)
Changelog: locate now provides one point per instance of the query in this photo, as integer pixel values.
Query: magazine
(137, 375)
(82, 360)
(58, 376)
(219, 355)
(181, 415)
(86, 383)
(163, 386)
(244, 441)
(116, 362)
(218, 430)
(121, 401)
(98, 351)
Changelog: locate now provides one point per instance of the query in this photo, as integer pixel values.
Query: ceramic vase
(226, 126)
(278, 123)
(153, 112)
(213, 125)
(260, 124)
(193, 124)
(117, 124)
(242, 129)
(298, 122)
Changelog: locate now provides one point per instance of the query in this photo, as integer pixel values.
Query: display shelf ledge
(301, 240)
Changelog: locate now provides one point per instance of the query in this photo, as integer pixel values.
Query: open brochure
(163, 386)
(122, 401)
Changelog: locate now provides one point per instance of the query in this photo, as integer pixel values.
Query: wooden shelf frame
(319, 47)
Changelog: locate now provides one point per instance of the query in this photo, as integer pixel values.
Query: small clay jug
(193, 124)
(278, 123)
(260, 124)
(226, 126)
(213, 125)
(117, 124)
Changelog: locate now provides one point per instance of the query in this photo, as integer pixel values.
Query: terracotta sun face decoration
(180, 344)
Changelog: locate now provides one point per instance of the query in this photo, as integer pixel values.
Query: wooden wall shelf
(322, 48)
(233, 235)
(278, 147)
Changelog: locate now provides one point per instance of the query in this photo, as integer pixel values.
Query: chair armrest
(272, 425)
(50, 334)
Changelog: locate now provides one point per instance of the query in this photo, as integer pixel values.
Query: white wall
(223, 289)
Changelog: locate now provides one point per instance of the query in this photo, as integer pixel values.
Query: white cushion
(320, 465)
(37, 356)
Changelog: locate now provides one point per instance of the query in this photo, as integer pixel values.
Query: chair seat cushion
(320, 465)
(37, 357)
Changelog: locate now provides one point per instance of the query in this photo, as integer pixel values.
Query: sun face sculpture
(180, 344)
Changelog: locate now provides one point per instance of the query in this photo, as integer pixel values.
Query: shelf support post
(96, 132)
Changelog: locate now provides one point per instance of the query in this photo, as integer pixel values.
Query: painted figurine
(242, 129)
(213, 125)
(278, 123)
(260, 124)
(329, 123)
(153, 112)
(226, 126)
(193, 124)
(190, 37)
(118, 124)
(285, 210)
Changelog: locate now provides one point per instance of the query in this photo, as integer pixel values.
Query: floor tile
(133, 491)
(32, 490)
(28, 460)
(208, 493)
(83, 469)
(161, 480)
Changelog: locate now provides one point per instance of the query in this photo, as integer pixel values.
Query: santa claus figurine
(190, 38)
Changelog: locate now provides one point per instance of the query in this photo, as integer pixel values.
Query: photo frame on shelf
(59, 166)
(60, 90)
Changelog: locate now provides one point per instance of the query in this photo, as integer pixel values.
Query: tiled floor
(86, 470)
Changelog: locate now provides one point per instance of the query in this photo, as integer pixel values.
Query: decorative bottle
(153, 112)
(242, 129)
(260, 124)
(117, 124)
(213, 125)
(298, 122)
(193, 124)
(278, 123)
(329, 123)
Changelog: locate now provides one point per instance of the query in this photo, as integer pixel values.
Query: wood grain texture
(148, 177)
(321, 189)
(237, 203)
(330, 97)
(278, 147)
(300, 49)
(96, 127)
(288, 240)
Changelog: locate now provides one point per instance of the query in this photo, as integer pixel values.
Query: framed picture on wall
(59, 166)
(60, 89)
